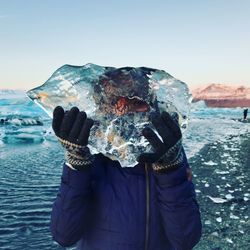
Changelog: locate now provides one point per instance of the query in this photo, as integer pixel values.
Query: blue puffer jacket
(107, 207)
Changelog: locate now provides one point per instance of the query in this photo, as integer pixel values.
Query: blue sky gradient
(198, 42)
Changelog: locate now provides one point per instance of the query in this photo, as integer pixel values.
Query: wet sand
(247, 120)
(221, 170)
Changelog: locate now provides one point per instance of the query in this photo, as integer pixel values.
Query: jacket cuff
(174, 177)
(76, 179)
(69, 165)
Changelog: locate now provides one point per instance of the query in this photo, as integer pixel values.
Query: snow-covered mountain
(220, 95)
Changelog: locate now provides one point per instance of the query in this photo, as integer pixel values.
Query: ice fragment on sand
(215, 234)
(221, 172)
(229, 240)
(229, 196)
(219, 219)
(120, 100)
(232, 216)
(210, 163)
(217, 200)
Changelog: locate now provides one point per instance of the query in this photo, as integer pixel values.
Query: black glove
(72, 129)
(168, 152)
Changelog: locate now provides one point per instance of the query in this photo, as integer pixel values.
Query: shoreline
(221, 177)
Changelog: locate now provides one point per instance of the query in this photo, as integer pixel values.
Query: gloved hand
(72, 129)
(168, 151)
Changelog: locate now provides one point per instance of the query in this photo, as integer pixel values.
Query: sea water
(31, 164)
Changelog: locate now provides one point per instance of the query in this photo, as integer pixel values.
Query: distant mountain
(220, 95)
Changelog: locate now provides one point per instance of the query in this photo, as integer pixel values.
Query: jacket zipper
(147, 207)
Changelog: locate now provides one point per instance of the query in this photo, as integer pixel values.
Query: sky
(197, 41)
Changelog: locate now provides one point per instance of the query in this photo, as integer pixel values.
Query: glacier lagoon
(217, 144)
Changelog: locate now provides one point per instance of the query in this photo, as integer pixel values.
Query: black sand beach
(221, 170)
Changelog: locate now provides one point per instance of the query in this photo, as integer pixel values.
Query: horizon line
(189, 85)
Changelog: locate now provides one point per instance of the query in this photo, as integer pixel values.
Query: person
(245, 113)
(102, 206)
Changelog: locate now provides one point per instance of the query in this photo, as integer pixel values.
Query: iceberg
(119, 100)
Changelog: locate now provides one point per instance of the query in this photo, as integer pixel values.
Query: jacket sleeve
(178, 208)
(71, 207)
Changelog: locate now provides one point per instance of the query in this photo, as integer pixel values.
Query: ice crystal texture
(119, 100)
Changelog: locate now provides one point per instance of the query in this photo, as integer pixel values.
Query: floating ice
(120, 102)
(23, 136)
(19, 120)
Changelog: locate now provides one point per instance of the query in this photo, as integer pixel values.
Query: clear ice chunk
(119, 100)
